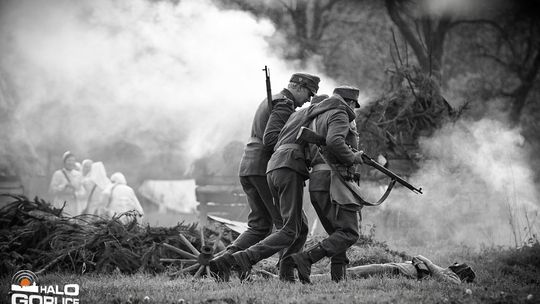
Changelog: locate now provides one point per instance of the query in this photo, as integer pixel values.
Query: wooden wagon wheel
(196, 260)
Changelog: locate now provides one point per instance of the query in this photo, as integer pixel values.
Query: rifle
(309, 136)
(268, 88)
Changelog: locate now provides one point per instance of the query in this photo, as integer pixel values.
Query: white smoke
(152, 73)
(478, 187)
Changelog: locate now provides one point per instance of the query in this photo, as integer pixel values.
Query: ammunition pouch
(356, 177)
(347, 173)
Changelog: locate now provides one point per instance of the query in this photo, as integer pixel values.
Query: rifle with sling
(307, 135)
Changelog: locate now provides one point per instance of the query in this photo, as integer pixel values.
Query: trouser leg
(340, 224)
(286, 265)
(286, 187)
(342, 228)
(263, 213)
(301, 238)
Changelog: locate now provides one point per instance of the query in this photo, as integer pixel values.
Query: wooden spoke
(178, 260)
(194, 258)
(190, 268)
(266, 273)
(179, 272)
(199, 272)
(180, 251)
(219, 253)
(202, 236)
(189, 245)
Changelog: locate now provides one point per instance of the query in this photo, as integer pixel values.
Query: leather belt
(290, 146)
(255, 140)
(321, 167)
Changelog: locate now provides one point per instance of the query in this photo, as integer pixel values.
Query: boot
(286, 270)
(338, 272)
(243, 265)
(304, 260)
(221, 266)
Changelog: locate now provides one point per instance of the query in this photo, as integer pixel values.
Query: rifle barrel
(376, 165)
(268, 87)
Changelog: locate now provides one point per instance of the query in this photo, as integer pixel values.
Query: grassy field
(503, 276)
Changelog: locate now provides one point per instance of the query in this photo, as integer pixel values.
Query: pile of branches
(36, 236)
(412, 107)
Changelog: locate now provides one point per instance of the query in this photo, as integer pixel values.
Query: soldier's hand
(358, 157)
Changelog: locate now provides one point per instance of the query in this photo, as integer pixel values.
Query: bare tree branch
(406, 31)
(503, 33)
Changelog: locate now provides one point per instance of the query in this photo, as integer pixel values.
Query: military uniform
(263, 213)
(338, 216)
(257, 154)
(286, 173)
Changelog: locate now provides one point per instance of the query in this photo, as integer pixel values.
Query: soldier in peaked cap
(337, 212)
(349, 94)
(265, 129)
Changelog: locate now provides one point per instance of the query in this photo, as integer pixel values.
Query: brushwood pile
(411, 107)
(34, 235)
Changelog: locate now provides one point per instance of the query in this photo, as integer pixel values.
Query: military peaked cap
(348, 92)
(309, 81)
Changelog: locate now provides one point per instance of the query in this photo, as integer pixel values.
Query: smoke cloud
(478, 189)
(183, 79)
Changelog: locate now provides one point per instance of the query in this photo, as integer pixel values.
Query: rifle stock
(309, 136)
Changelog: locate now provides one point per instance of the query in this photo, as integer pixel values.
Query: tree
(508, 35)
(304, 22)
(516, 48)
(423, 31)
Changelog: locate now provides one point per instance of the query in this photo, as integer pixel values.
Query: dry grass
(503, 276)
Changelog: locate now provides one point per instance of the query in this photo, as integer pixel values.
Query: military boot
(304, 260)
(338, 272)
(243, 265)
(221, 266)
(286, 270)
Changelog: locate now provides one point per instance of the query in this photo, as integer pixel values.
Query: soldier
(257, 152)
(66, 186)
(419, 268)
(336, 210)
(286, 173)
